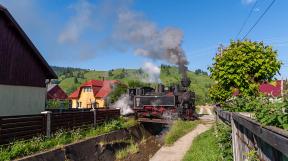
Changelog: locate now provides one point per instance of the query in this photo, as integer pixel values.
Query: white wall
(21, 100)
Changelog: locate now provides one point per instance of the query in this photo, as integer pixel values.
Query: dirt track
(177, 151)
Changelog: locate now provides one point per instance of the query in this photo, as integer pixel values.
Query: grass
(204, 148)
(131, 149)
(179, 129)
(26, 147)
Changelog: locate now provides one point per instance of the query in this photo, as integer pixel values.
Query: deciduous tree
(242, 66)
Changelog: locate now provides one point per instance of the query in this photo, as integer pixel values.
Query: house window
(87, 89)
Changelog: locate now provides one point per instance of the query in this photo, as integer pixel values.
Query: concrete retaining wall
(91, 149)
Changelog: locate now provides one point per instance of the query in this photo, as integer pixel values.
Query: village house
(92, 94)
(272, 89)
(23, 71)
(54, 92)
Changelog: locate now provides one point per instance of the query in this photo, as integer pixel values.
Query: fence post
(0, 129)
(48, 122)
(94, 116)
(235, 141)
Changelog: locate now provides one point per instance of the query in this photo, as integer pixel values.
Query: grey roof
(51, 86)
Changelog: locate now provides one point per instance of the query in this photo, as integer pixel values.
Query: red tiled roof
(271, 89)
(100, 88)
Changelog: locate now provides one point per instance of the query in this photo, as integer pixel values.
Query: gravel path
(177, 151)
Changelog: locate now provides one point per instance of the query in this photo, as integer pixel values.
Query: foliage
(131, 149)
(117, 92)
(26, 147)
(243, 65)
(136, 83)
(219, 94)
(199, 71)
(265, 111)
(179, 129)
(204, 148)
(252, 155)
(224, 141)
(58, 104)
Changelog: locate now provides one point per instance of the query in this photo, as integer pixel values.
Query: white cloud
(248, 2)
(78, 23)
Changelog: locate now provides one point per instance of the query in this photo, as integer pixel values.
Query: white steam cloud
(123, 104)
(153, 72)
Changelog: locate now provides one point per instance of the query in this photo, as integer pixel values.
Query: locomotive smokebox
(185, 82)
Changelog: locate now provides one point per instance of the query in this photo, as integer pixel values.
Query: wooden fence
(28, 126)
(269, 143)
(21, 127)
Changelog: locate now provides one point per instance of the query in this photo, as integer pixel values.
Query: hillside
(71, 78)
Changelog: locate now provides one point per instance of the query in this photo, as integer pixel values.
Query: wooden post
(48, 122)
(0, 130)
(94, 114)
(235, 141)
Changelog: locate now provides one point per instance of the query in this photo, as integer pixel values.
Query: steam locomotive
(166, 103)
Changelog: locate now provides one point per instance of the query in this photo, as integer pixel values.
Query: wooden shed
(23, 71)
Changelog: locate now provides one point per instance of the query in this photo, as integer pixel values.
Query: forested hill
(71, 78)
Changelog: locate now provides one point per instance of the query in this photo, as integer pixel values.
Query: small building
(93, 93)
(23, 71)
(272, 89)
(54, 92)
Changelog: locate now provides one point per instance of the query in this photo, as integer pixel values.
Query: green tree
(117, 92)
(110, 73)
(243, 65)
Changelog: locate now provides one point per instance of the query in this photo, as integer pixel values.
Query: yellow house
(93, 93)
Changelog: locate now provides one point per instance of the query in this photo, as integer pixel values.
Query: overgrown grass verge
(224, 141)
(131, 149)
(179, 129)
(23, 148)
(212, 145)
(204, 148)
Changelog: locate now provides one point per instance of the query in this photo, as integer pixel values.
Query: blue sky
(78, 33)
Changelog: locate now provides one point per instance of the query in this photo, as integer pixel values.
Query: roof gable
(101, 89)
(48, 71)
(55, 92)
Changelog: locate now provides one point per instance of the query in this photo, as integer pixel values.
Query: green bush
(265, 111)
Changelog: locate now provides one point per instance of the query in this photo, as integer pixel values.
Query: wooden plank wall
(271, 144)
(28, 126)
(21, 127)
(70, 120)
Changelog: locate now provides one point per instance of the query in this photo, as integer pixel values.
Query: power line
(246, 20)
(258, 20)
